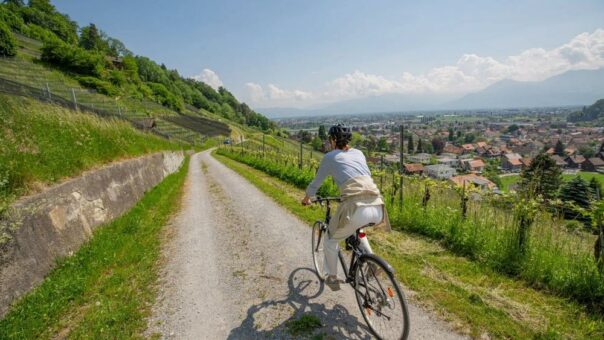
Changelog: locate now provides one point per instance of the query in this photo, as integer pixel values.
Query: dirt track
(238, 266)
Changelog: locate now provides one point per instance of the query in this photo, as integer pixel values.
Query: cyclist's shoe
(332, 282)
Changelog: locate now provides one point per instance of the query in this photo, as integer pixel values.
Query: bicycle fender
(378, 259)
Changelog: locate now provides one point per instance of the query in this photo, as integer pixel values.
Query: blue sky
(305, 53)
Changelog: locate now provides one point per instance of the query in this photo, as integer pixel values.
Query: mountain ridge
(571, 88)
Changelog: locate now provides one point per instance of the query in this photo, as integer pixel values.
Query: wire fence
(14, 88)
(29, 78)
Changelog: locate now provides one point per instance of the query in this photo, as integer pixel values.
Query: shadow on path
(304, 286)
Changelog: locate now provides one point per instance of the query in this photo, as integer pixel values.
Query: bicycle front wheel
(381, 299)
(318, 255)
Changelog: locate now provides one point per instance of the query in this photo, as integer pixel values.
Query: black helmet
(340, 134)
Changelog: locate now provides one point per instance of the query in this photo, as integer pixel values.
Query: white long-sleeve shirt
(342, 166)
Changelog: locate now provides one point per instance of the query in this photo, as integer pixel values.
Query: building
(440, 171)
(594, 164)
(511, 162)
(453, 149)
(474, 180)
(575, 162)
(449, 161)
(559, 161)
(467, 148)
(423, 158)
(414, 169)
(473, 165)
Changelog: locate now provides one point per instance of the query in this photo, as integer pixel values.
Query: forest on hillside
(105, 64)
(589, 113)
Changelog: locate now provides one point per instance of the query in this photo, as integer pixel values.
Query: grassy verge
(473, 298)
(41, 144)
(489, 232)
(105, 290)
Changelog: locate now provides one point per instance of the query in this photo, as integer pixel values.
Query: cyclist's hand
(306, 200)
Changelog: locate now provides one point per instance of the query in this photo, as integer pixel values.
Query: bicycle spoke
(381, 300)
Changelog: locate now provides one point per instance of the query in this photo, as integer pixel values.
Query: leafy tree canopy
(542, 177)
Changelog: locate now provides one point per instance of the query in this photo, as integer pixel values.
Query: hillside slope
(41, 144)
(90, 68)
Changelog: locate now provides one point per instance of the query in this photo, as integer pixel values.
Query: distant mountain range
(571, 88)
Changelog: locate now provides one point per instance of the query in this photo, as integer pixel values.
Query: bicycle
(379, 296)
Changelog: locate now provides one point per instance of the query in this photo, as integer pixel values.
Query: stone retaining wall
(41, 228)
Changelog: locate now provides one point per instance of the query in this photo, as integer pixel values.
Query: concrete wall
(40, 228)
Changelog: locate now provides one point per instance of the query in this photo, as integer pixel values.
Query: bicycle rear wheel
(381, 299)
(318, 255)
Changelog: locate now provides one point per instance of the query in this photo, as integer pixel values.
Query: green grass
(26, 69)
(41, 144)
(553, 259)
(509, 180)
(105, 289)
(475, 299)
(306, 324)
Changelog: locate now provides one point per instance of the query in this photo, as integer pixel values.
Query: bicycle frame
(352, 242)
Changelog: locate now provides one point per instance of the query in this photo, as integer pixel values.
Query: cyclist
(361, 202)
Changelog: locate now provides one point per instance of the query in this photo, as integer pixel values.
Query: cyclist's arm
(322, 173)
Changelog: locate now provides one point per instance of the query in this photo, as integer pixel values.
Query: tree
(578, 193)
(438, 145)
(469, 138)
(117, 48)
(16, 3)
(42, 5)
(8, 44)
(587, 151)
(512, 128)
(596, 188)
(322, 132)
(304, 136)
(451, 136)
(542, 177)
(559, 149)
(90, 39)
(420, 146)
(410, 146)
(371, 143)
(317, 143)
(382, 144)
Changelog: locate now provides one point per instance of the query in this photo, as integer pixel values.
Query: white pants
(362, 216)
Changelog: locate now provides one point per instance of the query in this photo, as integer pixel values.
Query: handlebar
(320, 200)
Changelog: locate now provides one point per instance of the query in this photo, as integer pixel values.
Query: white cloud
(470, 73)
(255, 92)
(209, 77)
(275, 95)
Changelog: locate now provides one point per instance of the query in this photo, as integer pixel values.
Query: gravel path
(238, 266)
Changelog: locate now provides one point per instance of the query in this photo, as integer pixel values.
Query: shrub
(39, 33)
(8, 45)
(101, 86)
(73, 58)
(117, 78)
(13, 21)
(165, 97)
